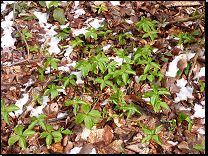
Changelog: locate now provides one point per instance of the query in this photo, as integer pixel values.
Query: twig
(183, 20)
(27, 47)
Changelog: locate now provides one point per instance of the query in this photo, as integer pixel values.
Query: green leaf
(84, 71)
(49, 139)
(178, 73)
(42, 3)
(102, 85)
(12, 108)
(13, 139)
(196, 32)
(161, 92)
(66, 132)
(22, 142)
(89, 122)
(58, 14)
(32, 124)
(49, 128)
(189, 127)
(5, 115)
(150, 77)
(57, 134)
(43, 135)
(147, 138)
(54, 93)
(99, 80)
(28, 132)
(86, 108)
(146, 130)
(18, 130)
(80, 117)
(83, 102)
(182, 117)
(54, 3)
(142, 77)
(57, 139)
(154, 99)
(69, 102)
(109, 83)
(95, 113)
(164, 105)
(42, 116)
(125, 77)
(199, 147)
(157, 129)
(157, 139)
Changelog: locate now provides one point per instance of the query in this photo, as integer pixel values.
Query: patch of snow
(115, 3)
(129, 21)
(173, 143)
(76, 3)
(202, 52)
(79, 75)
(155, 50)
(136, 79)
(199, 111)
(201, 131)
(185, 92)
(76, 32)
(54, 45)
(12, 88)
(129, 32)
(85, 133)
(7, 40)
(20, 103)
(79, 12)
(93, 151)
(203, 103)
(56, 127)
(200, 73)
(30, 81)
(106, 47)
(105, 102)
(61, 115)
(95, 23)
(119, 60)
(184, 108)
(75, 150)
(173, 65)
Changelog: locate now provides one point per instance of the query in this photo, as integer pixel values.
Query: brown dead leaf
(86, 149)
(68, 147)
(58, 148)
(51, 109)
(114, 146)
(169, 4)
(182, 63)
(183, 146)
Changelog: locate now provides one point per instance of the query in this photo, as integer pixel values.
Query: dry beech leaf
(182, 63)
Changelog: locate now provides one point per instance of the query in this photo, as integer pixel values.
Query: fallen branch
(183, 20)
(197, 51)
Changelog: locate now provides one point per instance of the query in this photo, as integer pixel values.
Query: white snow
(75, 150)
(199, 111)
(129, 21)
(173, 143)
(115, 2)
(185, 92)
(79, 75)
(200, 73)
(106, 47)
(79, 12)
(104, 102)
(61, 115)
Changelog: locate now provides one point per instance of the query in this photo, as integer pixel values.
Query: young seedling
(122, 149)
(154, 97)
(52, 62)
(173, 121)
(130, 109)
(25, 34)
(92, 32)
(85, 67)
(151, 134)
(101, 7)
(53, 90)
(76, 103)
(33, 48)
(20, 136)
(202, 85)
(88, 116)
(103, 82)
(104, 34)
(182, 117)
(56, 135)
(37, 98)
(200, 147)
(76, 42)
(5, 111)
(64, 34)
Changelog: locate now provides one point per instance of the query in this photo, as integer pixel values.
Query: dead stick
(183, 20)
(27, 47)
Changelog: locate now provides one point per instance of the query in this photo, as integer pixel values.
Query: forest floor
(183, 122)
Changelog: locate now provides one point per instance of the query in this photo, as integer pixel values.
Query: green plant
(104, 34)
(25, 34)
(101, 7)
(56, 135)
(91, 32)
(76, 42)
(52, 62)
(20, 136)
(58, 13)
(173, 121)
(85, 50)
(27, 18)
(35, 48)
(53, 90)
(84, 65)
(64, 34)
(5, 111)
(130, 109)
(182, 117)
(69, 79)
(200, 147)
(37, 98)
(151, 134)
(103, 82)
(149, 27)
(154, 97)
(76, 103)
(89, 117)
(121, 38)
(186, 70)
(122, 149)
(186, 37)
(41, 76)
(202, 86)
